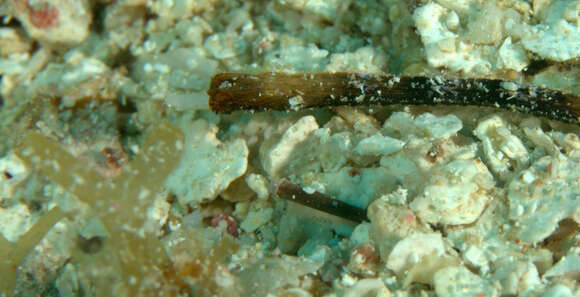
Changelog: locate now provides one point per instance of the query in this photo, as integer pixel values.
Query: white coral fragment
(208, 165)
(455, 195)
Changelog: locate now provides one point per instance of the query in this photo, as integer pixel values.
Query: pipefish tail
(319, 201)
(229, 92)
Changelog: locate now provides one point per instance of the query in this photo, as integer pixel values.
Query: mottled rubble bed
(115, 178)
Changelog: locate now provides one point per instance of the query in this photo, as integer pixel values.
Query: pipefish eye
(222, 101)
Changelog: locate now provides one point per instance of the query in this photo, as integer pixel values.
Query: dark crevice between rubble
(99, 8)
(561, 239)
(536, 67)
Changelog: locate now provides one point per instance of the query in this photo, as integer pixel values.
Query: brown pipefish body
(281, 91)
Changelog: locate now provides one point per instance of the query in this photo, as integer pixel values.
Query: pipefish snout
(281, 91)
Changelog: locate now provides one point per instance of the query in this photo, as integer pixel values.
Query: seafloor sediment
(117, 180)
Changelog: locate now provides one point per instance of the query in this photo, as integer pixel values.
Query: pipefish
(229, 92)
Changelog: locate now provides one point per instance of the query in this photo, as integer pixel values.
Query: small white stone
(459, 281)
(14, 44)
(455, 195)
(225, 45)
(559, 41)
(528, 177)
(512, 56)
(539, 206)
(297, 58)
(296, 102)
(360, 235)
(258, 184)
(516, 277)
(568, 267)
(12, 172)
(55, 21)
(558, 290)
(365, 59)
(476, 257)
(415, 246)
(397, 197)
(452, 21)
(316, 250)
(399, 125)
(208, 165)
(390, 224)
(256, 218)
(438, 127)
(535, 134)
(505, 153)
(15, 221)
(348, 280)
(445, 48)
(374, 287)
(277, 156)
(358, 187)
(377, 145)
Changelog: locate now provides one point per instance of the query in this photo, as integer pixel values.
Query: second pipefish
(282, 91)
